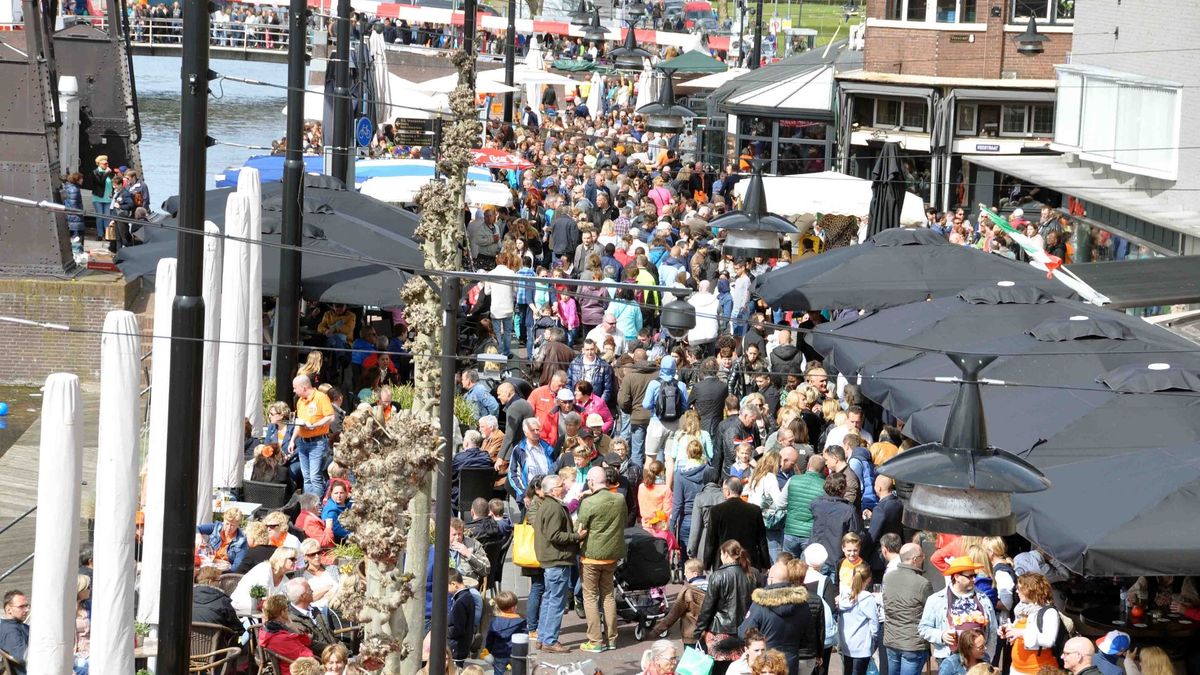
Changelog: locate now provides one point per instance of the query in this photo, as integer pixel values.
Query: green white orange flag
(1039, 258)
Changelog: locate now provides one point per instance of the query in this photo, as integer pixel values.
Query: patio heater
(594, 31)
(1030, 42)
(636, 11)
(629, 56)
(961, 485)
(663, 115)
(753, 231)
(581, 16)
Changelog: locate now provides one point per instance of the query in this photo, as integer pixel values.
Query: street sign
(364, 131)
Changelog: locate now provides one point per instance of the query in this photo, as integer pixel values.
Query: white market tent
(404, 189)
(827, 192)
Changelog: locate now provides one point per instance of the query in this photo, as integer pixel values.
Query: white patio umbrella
(645, 83)
(447, 83)
(533, 61)
(250, 184)
(213, 248)
(379, 74)
(595, 97)
(116, 497)
(156, 447)
(404, 189)
(56, 546)
(231, 366)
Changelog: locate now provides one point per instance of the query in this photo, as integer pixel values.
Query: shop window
(802, 129)
(1013, 120)
(1041, 121)
(914, 116)
(1027, 120)
(955, 11)
(887, 113)
(916, 10)
(1049, 11)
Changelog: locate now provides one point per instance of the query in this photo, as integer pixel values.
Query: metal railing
(24, 561)
(242, 36)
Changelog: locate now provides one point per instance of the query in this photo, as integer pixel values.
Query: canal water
(237, 113)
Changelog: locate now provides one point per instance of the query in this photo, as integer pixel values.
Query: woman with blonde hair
(764, 492)
(653, 497)
(312, 366)
(278, 634)
(675, 450)
(858, 622)
(608, 234)
(1003, 576)
(1153, 661)
(770, 662)
(271, 575)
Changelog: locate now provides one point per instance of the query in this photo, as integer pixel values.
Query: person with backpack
(956, 608)
(1038, 632)
(666, 399)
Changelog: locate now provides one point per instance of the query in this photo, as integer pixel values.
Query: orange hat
(959, 565)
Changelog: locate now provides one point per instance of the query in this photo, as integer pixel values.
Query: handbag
(110, 232)
(694, 662)
(524, 554)
(772, 517)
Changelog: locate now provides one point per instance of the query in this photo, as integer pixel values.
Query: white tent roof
(404, 189)
(713, 80)
(827, 192)
(809, 90)
(405, 98)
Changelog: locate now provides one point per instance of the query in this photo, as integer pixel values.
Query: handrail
(226, 34)
(18, 519)
(12, 570)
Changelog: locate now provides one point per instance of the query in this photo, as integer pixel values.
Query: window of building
(965, 122)
(913, 118)
(1026, 120)
(955, 11)
(1120, 119)
(915, 10)
(1048, 11)
(887, 112)
(894, 10)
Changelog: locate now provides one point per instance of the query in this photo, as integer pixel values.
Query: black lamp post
(961, 485)
(1030, 42)
(753, 231)
(629, 56)
(663, 115)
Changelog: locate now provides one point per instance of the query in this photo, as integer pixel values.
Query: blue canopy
(270, 169)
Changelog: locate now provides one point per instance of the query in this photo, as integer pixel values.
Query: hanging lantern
(636, 10)
(663, 115)
(581, 16)
(753, 231)
(962, 486)
(594, 31)
(629, 56)
(678, 317)
(1030, 42)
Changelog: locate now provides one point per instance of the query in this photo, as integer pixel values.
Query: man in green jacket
(800, 491)
(602, 515)
(556, 545)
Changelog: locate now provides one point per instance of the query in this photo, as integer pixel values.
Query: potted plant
(346, 556)
(258, 593)
(145, 671)
(140, 632)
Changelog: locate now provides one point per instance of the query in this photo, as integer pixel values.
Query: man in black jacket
(307, 618)
(739, 520)
(460, 622)
(516, 411)
(885, 519)
(787, 617)
(732, 433)
(210, 604)
(708, 397)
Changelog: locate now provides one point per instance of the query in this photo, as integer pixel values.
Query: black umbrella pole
(287, 311)
(441, 544)
(341, 101)
(757, 54)
(187, 349)
(510, 57)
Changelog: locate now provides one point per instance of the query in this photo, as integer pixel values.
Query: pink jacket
(595, 404)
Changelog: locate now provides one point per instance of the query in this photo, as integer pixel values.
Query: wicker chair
(228, 582)
(271, 495)
(209, 640)
(9, 664)
(219, 662)
(269, 661)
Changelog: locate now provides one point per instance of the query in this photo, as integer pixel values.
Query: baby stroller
(639, 581)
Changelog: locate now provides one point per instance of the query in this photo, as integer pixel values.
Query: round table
(1168, 627)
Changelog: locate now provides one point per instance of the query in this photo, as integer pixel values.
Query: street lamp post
(510, 49)
(758, 13)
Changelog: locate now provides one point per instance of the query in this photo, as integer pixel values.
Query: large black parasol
(342, 223)
(887, 191)
(1077, 391)
(895, 267)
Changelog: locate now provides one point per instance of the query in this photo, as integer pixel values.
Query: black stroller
(640, 580)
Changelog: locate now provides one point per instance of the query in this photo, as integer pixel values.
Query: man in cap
(1110, 653)
(601, 440)
(956, 608)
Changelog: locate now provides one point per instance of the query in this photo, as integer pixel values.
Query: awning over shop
(1145, 283)
(1004, 95)
(874, 89)
(809, 91)
(1082, 182)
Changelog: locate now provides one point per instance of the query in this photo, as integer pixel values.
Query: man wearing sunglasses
(956, 608)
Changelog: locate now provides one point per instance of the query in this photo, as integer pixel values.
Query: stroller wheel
(639, 631)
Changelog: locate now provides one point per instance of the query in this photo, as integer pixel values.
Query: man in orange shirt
(314, 413)
(543, 398)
